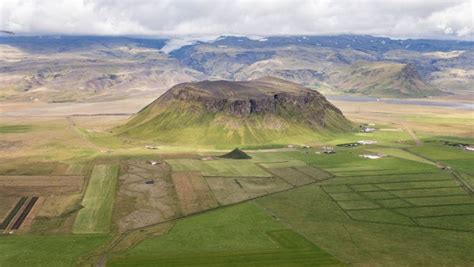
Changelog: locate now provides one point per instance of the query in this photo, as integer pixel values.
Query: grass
(187, 123)
(395, 152)
(98, 201)
(396, 242)
(254, 239)
(220, 168)
(63, 250)
(7, 129)
(292, 176)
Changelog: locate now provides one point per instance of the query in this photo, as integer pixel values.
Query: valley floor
(71, 194)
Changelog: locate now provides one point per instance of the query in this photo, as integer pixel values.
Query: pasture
(98, 201)
(255, 239)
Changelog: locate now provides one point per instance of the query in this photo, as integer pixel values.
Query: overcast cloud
(393, 18)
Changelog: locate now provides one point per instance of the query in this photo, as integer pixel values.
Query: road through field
(77, 132)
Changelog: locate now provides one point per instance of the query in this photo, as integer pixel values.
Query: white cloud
(394, 18)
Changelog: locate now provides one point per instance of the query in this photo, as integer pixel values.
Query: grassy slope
(98, 201)
(46, 250)
(187, 124)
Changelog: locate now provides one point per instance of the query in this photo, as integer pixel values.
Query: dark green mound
(236, 154)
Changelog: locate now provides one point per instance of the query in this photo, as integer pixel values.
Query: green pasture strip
(364, 187)
(98, 201)
(291, 258)
(264, 157)
(367, 180)
(6, 129)
(465, 223)
(438, 151)
(12, 213)
(234, 168)
(432, 211)
(346, 196)
(375, 195)
(292, 176)
(314, 172)
(46, 250)
(380, 216)
(289, 239)
(189, 165)
(418, 184)
(426, 192)
(358, 204)
(337, 188)
(221, 167)
(399, 153)
(440, 200)
(393, 203)
(283, 164)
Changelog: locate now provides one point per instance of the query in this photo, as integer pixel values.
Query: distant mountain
(226, 113)
(381, 79)
(89, 68)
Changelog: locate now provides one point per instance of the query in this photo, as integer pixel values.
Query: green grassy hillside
(187, 124)
(215, 113)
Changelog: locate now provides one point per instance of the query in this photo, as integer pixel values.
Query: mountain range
(87, 68)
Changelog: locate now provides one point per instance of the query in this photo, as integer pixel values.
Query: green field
(8, 129)
(60, 251)
(373, 236)
(255, 239)
(98, 201)
(219, 168)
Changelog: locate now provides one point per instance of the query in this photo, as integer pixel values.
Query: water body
(398, 101)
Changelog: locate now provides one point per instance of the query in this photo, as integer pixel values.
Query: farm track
(73, 127)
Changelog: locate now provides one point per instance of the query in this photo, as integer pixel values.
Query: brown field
(55, 206)
(193, 192)
(232, 190)
(399, 116)
(139, 204)
(18, 185)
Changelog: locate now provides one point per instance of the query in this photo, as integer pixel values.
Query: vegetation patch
(6, 129)
(254, 239)
(98, 201)
(63, 250)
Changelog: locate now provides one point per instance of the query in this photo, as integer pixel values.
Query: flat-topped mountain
(267, 110)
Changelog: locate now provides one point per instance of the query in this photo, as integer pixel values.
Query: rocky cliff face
(253, 105)
(260, 97)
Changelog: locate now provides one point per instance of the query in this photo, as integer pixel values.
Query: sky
(448, 19)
